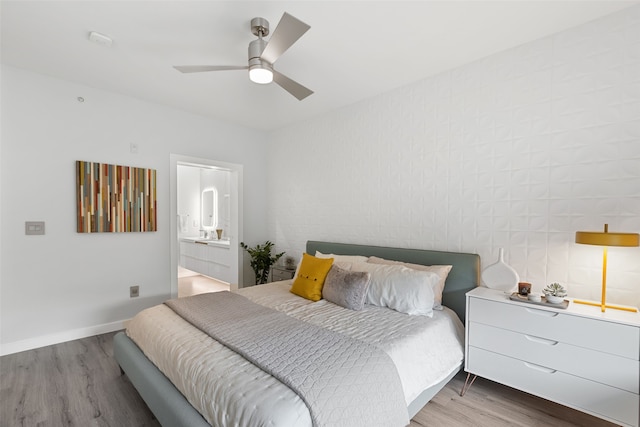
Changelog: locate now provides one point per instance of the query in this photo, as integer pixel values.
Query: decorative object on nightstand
(289, 263)
(604, 238)
(524, 288)
(554, 293)
(534, 297)
(537, 299)
(500, 275)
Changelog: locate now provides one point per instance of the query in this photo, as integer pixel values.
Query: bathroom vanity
(209, 257)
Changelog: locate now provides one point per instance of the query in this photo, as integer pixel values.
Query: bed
(172, 408)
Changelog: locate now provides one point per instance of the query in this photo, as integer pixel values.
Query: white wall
(518, 150)
(188, 194)
(64, 285)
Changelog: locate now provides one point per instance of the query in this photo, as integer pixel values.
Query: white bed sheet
(424, 350)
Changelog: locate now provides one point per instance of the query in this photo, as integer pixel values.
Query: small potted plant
(555, 293)
(261, 260)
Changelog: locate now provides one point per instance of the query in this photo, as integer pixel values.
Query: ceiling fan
(263, 54)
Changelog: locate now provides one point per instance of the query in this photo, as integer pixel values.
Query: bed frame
(171, 408)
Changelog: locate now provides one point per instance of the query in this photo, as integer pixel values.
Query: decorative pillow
(310, 277)
(400, 288)
(346, 288)
(345, 265)
(441, 270)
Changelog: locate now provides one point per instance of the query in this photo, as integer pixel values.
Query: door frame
(235, 232)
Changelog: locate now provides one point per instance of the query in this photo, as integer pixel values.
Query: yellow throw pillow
(310, 278)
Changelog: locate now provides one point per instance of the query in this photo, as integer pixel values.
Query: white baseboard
(45, 340)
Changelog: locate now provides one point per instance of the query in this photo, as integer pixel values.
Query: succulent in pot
(554, 293)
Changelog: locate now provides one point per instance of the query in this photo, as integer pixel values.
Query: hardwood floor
(192, 283)
(78, 383)
(489, 404)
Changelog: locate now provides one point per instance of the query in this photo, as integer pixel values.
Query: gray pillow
(346, 288)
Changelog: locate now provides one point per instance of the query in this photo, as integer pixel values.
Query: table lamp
(604, 238)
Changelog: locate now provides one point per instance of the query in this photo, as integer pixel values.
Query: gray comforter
(344, 382)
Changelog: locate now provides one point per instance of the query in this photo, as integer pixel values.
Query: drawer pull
(540, 368)
(542, 312)
(541, 340)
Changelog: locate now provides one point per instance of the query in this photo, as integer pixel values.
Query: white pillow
(400, 288)
(441, 270)
(342, 258)
(343, 261)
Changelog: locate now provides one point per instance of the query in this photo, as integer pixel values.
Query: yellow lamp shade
(600, 238)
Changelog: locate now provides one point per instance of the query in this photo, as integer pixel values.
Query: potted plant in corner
(261, 260)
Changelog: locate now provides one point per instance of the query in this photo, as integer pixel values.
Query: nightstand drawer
(602, 367)
(608, 402)
(608, 337)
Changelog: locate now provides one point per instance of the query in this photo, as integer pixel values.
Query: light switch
(33, 228)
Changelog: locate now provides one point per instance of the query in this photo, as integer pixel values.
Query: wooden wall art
(112, 198)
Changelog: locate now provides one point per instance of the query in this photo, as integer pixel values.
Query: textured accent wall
(518, 150)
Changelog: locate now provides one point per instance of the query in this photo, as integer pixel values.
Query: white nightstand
(578, 357)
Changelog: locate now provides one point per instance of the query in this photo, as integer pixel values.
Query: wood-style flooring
(78, 383)
(192, 283)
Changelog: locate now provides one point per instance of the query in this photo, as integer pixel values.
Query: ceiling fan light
(260, 75)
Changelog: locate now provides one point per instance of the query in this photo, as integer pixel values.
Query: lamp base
(615, 307)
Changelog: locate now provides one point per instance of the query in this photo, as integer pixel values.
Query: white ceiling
(354, 50)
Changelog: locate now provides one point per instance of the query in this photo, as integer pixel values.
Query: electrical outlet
(134, 291)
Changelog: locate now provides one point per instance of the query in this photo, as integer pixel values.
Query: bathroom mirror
(208, 206)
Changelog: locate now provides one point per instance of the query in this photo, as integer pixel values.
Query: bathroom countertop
(211, 242)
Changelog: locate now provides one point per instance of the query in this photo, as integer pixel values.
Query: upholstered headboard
(464, 276)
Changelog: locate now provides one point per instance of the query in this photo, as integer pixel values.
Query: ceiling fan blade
(288, 31)
(202, 68)
(294, 88)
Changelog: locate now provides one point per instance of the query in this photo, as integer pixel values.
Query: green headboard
(464, 276)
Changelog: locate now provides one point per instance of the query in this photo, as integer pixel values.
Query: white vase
(500, 275)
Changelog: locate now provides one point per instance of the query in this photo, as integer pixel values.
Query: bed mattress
(228, 390)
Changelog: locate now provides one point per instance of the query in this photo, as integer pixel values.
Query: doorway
(190, 222)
